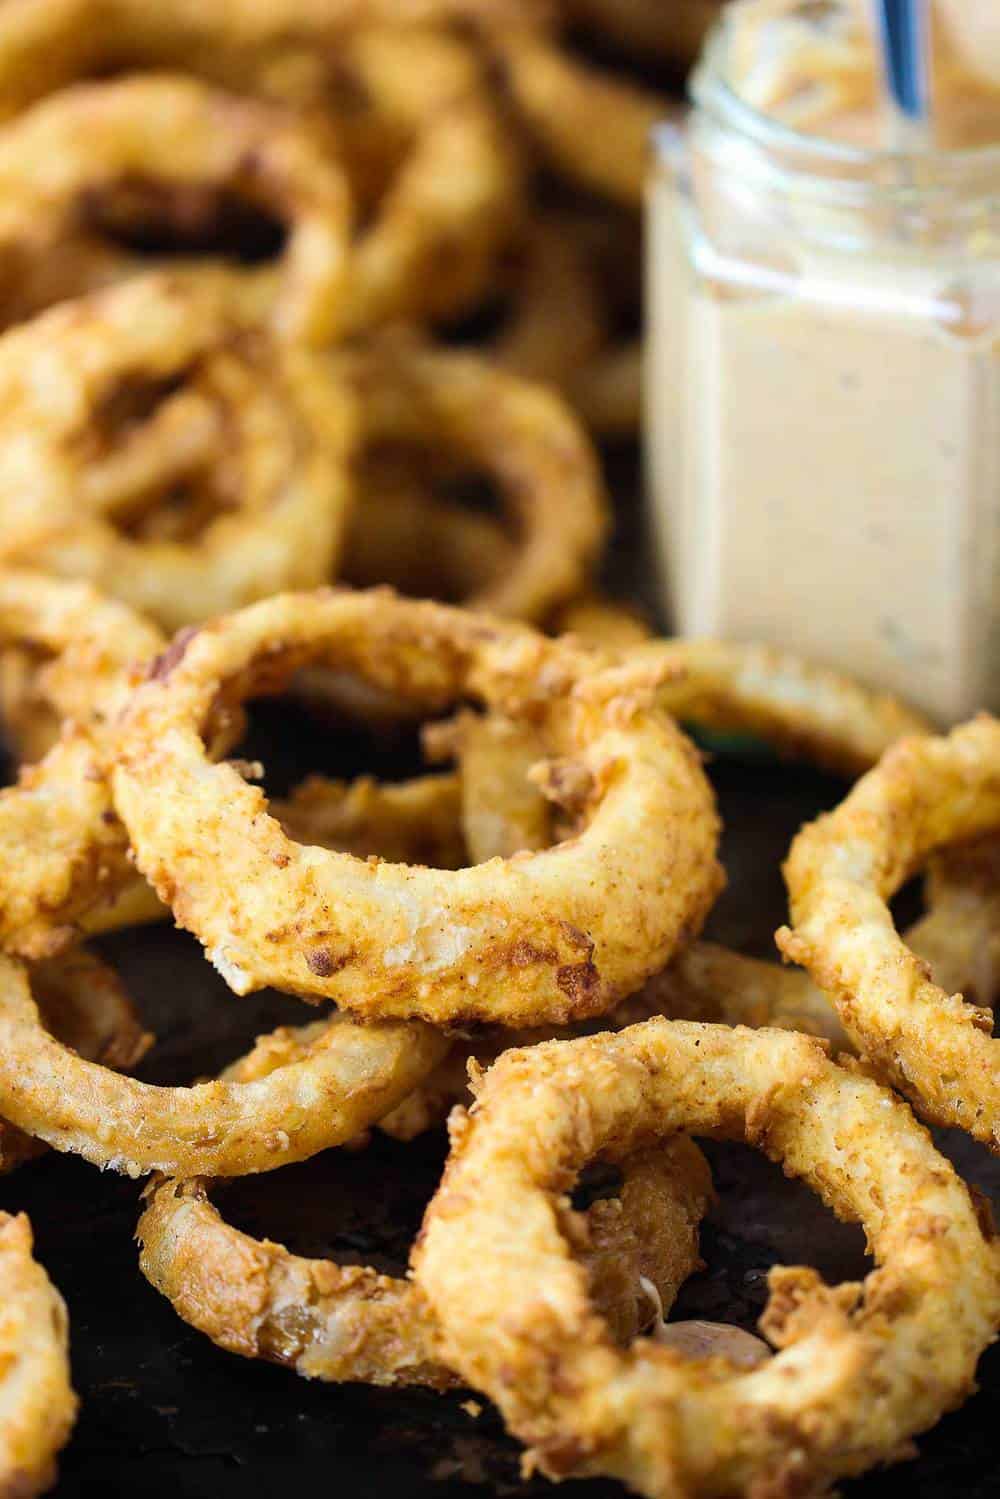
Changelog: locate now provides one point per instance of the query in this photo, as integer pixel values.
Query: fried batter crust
(37, 1403)
(259, 433)
(58, 827)
(861, 1368)
(546, 937)
(335, 1088)
(348, 1322)
(925, 794)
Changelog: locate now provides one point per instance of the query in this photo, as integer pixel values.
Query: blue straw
(903, 25)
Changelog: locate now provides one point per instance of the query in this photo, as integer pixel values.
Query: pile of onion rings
(351, 1323)
(561, 725)
(310, 313)
(444, 123)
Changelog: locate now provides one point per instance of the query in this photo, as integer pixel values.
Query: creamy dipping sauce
(823, 384)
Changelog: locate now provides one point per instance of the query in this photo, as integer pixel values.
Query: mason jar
(823, 368)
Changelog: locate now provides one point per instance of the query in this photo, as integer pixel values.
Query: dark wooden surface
(165, 1413)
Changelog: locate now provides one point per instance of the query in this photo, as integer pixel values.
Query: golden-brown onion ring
(91, 393)
(334, 1322)
(409, 822)
(559, 330)
(552, 936)
(87, 1007)
(47, 44)
(436, 237)
(799, 708)
(402, 534)
(796, 707)
(556, 317)
(607, 391)
(841, 872)
(588, 124)
(519, 435)
(433, 164)
(959, 937)
(37, 1404)
(336, 1088)
(957, 941)
(58, 828)
(81, 157)
(416, 95)
(861, 1368)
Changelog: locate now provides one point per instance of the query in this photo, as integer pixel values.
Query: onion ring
(842, 870)
(37, 1404)
(47, 44)
(959, 936)
(862, 1367)
(434, 243)
(559, 330)
(790, 704)
(414, 95)
(337, 1323)
(797, 707)
(93, 1017)
(57, 824)
(427, 154)
(541, 937)
(89, 444)
(524, 438)
(86, 1006)
(587, 124)
(520, 434)
(335, 1089)
(607, 391)
(425, 547)
(411, 822)
(403, 535)
(101, 149)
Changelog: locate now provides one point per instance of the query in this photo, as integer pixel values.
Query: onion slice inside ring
(335, 1322)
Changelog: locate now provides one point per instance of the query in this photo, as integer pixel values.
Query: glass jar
(823, 376)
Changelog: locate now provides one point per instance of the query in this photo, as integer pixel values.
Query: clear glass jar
(823, 381)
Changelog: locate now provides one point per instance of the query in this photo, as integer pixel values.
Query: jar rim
(709, 88)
